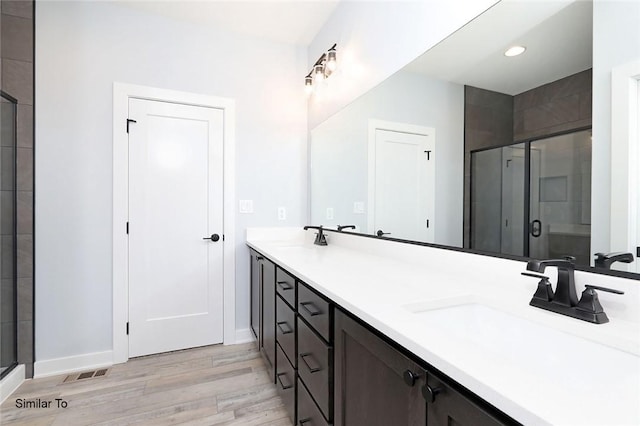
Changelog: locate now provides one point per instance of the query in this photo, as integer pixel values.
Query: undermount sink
(520, 342)
(518, 338)
(536, 362)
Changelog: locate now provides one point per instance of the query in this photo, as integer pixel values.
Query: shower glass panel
(8, 293)
(560, 197)
(498, 200)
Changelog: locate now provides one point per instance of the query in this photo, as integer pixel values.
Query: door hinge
(127, 228)
(637, 251)
(222, 237)
(127, 328)
(427, 223)
(129, 121)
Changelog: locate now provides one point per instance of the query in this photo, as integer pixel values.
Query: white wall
(82, 48)
(616, 41)
(377, 38)
(339, 150)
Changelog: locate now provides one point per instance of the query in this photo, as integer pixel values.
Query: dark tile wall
(493, 119)
(488, 122)
(16, 78)
(561, 106)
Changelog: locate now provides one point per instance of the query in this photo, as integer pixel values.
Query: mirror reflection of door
(557, 209)
(404, 185)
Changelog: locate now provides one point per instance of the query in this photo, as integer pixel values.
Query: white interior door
(404, 185)
(175, 200)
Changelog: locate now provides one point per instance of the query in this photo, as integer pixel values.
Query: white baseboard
(72, 364)
(244, 336)
(11, 382)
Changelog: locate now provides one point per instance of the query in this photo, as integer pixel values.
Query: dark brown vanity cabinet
(263, 308)
(446, 406)
(375, 385)
(332, 369)
(256, 291)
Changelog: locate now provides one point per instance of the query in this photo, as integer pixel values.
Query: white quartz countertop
(536, 366)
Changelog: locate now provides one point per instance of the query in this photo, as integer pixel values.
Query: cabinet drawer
(315, 367)
(308, 413)
(315, 310)
(286, 383)
(286, 286)
(286, 329)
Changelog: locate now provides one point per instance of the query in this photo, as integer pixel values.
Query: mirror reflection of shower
(8, 293)
(534, 198)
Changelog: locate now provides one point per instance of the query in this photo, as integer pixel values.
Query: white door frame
(121, 94)
(393, 126)
(625, 170)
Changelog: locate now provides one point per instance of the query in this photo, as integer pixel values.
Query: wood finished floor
(213, 385)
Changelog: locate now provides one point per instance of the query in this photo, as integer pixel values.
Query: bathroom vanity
(372, 332)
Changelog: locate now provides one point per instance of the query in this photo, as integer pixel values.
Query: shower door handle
(536, 228)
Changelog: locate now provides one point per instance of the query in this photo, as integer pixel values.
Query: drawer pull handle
(284, 387)
(311, 308)
(284, 330)
(304, 422)
(285, 285)
(304, 359)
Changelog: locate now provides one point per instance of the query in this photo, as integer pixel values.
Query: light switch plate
(246, 206)
(282, 213)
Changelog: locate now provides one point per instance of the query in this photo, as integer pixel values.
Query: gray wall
(17, 80)
(82, 48)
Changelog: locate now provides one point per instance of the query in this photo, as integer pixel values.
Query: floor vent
(86, 375)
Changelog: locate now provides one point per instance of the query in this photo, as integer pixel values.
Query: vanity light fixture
(515, 51)
(322, 69)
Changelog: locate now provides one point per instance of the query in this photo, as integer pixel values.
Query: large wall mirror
(469, 148)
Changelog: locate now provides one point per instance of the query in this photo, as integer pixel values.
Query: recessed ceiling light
(515, 51)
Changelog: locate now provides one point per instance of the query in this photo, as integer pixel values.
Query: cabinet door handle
(304, 359)
(285, 285)
(284, 387)
(283, 330)
(410, 377)
(429, 393)
(311, 308)
(304, 422)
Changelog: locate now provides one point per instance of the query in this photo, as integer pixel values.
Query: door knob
(213, 237)
(410, 377)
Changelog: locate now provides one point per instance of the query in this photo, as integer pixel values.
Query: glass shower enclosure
(534, 198)
(8, 293)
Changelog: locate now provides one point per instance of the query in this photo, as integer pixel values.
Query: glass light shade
(308, 84)
(331, 60)
(318, 73)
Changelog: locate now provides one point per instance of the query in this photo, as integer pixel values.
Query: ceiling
(557, 35)
(286, 21)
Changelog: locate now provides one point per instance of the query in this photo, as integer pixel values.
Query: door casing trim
(122, 92)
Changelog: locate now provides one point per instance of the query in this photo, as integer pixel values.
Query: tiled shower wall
(493, 119)
(16, 64)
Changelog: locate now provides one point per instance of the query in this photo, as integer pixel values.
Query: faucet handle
(607, 289)
(589, 303)
(544, 292)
